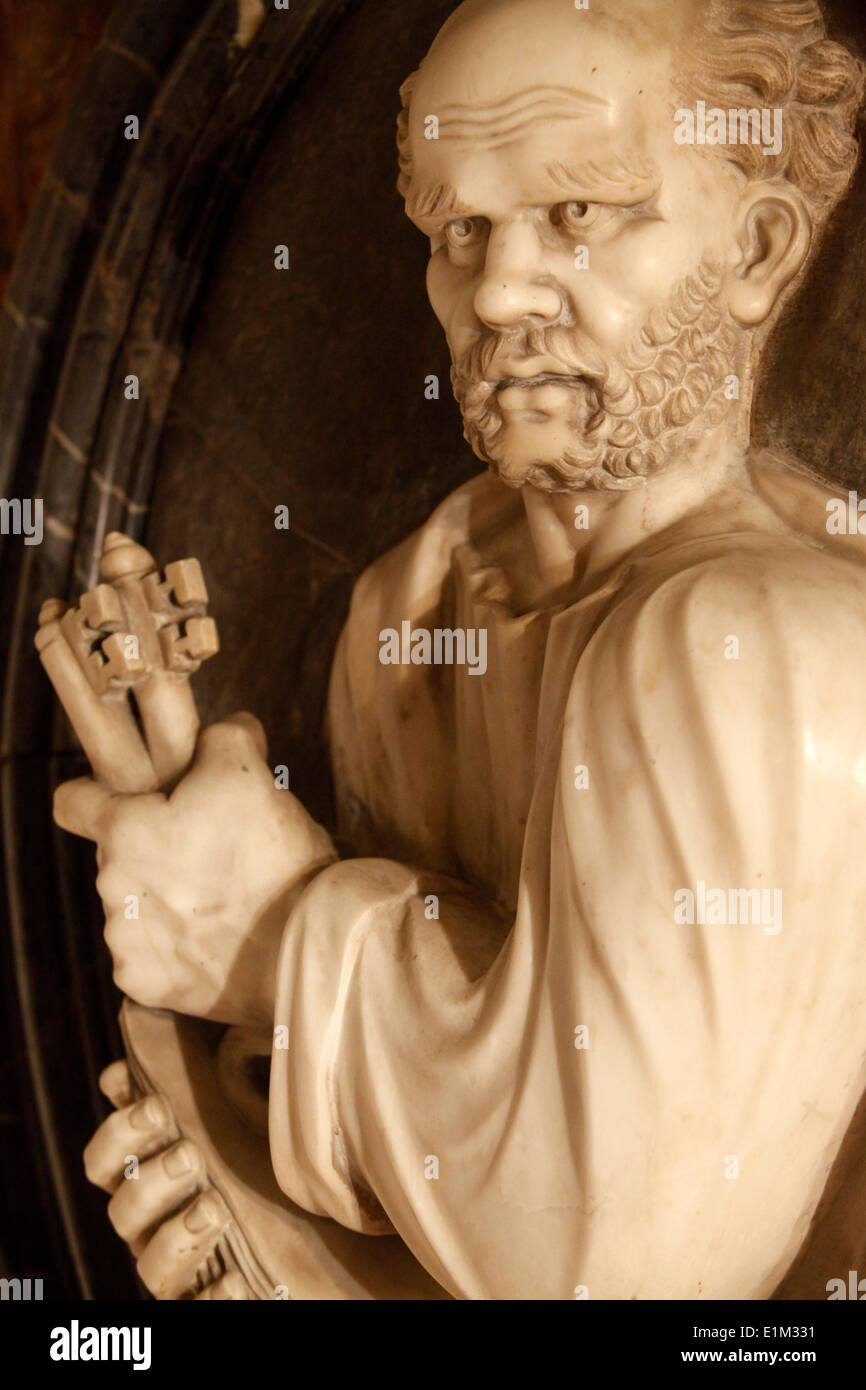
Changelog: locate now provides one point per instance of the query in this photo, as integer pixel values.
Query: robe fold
(585, 1015)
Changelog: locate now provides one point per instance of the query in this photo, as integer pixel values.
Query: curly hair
(776, 54)
(770, 53)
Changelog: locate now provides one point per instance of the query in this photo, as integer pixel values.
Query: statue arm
(598, 1096)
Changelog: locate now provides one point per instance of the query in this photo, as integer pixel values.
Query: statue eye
(465, 231)
(575, 214)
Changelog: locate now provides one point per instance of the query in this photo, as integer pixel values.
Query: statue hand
(162, 1205)
(196, 886)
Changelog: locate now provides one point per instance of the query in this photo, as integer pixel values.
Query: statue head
(619, 200)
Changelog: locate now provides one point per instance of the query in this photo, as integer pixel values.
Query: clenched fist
(197, 885)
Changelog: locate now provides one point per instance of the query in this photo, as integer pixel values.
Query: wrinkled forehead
(538, 77)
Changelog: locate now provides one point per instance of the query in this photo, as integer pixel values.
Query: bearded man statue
(579, 1012)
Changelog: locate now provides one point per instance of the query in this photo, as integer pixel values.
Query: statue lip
(538, 370)
(529, 383)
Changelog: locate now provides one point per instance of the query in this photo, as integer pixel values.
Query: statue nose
(514, 284)
(503, 301)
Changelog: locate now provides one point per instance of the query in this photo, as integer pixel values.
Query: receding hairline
(640, 18)
(643, 17)
(794, 64)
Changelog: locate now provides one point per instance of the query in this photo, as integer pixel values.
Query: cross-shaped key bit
(109, 657)
(187, 637)
(138, 633)
(185, 646)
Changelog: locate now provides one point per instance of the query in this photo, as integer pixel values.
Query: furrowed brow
(500, 119)
(630, 178)
(430, 204)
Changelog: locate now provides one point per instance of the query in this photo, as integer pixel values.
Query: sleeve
(636, 1088)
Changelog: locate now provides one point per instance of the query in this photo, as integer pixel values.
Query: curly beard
(630, 414)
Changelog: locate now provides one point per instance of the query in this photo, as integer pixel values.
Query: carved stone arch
(113, 277)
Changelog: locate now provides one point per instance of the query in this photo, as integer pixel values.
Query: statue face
(578, 253)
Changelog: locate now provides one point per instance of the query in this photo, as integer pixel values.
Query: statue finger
(155, 1190)
(234, 738)
(233, 1286)
(136, 1132)
(172, 1257)
(115, 1082)
(79, 805)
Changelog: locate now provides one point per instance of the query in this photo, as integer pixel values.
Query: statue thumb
(240, 735)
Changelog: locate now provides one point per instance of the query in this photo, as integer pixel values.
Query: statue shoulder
(830, 514)
(414, 572)
(746, 609)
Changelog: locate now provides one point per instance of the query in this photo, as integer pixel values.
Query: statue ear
(774, 232)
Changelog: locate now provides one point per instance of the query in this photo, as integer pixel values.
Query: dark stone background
(811, 398)
(44, 49)
(306, 387)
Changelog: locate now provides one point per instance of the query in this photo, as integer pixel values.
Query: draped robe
(505, 1043)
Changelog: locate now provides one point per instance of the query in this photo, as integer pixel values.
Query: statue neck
(574, 546)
